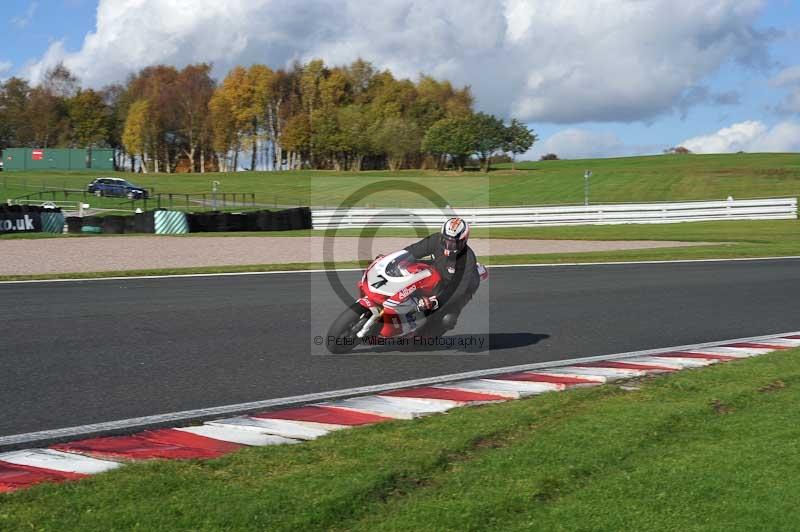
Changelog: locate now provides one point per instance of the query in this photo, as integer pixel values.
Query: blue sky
(717, 94)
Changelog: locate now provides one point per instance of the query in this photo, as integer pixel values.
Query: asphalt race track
(74, 353)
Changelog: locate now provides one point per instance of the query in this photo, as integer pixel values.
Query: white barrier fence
(642, 213)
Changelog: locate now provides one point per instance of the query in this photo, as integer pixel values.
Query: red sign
(37, 155)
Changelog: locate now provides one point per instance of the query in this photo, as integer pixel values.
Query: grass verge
(711, 449)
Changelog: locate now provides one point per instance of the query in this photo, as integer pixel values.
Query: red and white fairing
(395, 283)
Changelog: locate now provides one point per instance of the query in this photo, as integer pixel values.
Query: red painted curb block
(753, 345)
(324, 414)
(14, 477)
(164, 443)
(445, 394)
(625, 365)
(543, 377)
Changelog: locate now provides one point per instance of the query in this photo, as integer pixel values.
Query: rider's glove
(427, 304)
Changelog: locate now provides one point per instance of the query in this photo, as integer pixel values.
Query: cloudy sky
(592, 77)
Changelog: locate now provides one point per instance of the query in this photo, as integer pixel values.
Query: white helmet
(455, 233)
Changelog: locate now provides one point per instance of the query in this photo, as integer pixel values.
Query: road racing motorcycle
(390, 289)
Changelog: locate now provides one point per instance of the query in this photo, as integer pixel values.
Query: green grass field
(630, 179)
(710, 449)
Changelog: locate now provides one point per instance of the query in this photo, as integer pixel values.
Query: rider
(456, 263)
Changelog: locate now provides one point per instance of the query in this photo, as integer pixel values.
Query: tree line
(354, 117)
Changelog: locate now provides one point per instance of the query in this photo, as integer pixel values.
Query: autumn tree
(154, 84)
(138, 132)
(60, 82)
(347, 117)
(450, 138)
(192, 93)
(88, 117)
(14, 127)
(399, 139)
(296, 139)
(45, 115)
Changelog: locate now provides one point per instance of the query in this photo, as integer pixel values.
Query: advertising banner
(20, 222)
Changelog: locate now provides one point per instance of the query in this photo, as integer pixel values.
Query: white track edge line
(492, 266)
(190, 415)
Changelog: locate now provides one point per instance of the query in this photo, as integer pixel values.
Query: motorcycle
(389, 290)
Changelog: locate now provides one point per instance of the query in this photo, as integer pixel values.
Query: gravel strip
(95, 254)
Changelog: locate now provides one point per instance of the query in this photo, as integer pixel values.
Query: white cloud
(5, 66)
(22, 21)
(564, 62)
(788, 78)
(749, 136)
(577, 143)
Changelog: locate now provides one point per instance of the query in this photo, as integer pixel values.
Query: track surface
(84, 352)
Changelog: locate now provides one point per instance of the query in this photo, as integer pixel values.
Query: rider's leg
(453, 311)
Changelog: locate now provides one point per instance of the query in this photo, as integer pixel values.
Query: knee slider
(449, 320)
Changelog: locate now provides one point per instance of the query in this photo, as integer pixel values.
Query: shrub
(549, 157)
(678, 150)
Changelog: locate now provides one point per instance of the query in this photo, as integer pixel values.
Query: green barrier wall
(57, 159)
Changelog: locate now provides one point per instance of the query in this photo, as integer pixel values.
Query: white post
(586, 175)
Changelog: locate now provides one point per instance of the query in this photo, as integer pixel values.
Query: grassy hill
(628, 179)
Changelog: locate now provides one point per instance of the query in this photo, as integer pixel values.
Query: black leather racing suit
(460, 278)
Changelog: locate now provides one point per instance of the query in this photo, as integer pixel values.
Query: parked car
(116, 186)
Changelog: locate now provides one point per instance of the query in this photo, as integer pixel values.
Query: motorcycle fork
(376, 315)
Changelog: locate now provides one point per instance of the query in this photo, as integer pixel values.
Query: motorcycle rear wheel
(342, 332)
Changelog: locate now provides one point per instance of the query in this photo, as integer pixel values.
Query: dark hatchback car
(115, 186)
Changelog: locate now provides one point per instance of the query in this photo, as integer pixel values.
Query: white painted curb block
(235, 435)
(390, 406)
(59, 461)
(301, 430)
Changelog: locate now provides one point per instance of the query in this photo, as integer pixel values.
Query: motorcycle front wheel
(341, 336)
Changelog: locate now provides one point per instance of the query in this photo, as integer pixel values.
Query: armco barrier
(643, 213)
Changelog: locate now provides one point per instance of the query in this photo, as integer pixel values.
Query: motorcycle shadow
(457, 343)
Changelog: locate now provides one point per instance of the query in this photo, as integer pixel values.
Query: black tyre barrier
(92, 224)
(198, 222)
(74, 224)
(114, 225)
(297, 218)
(145, 222)
(251, 221)
(201, 222)
(235, 222)
(282, 221)
(264, 221)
